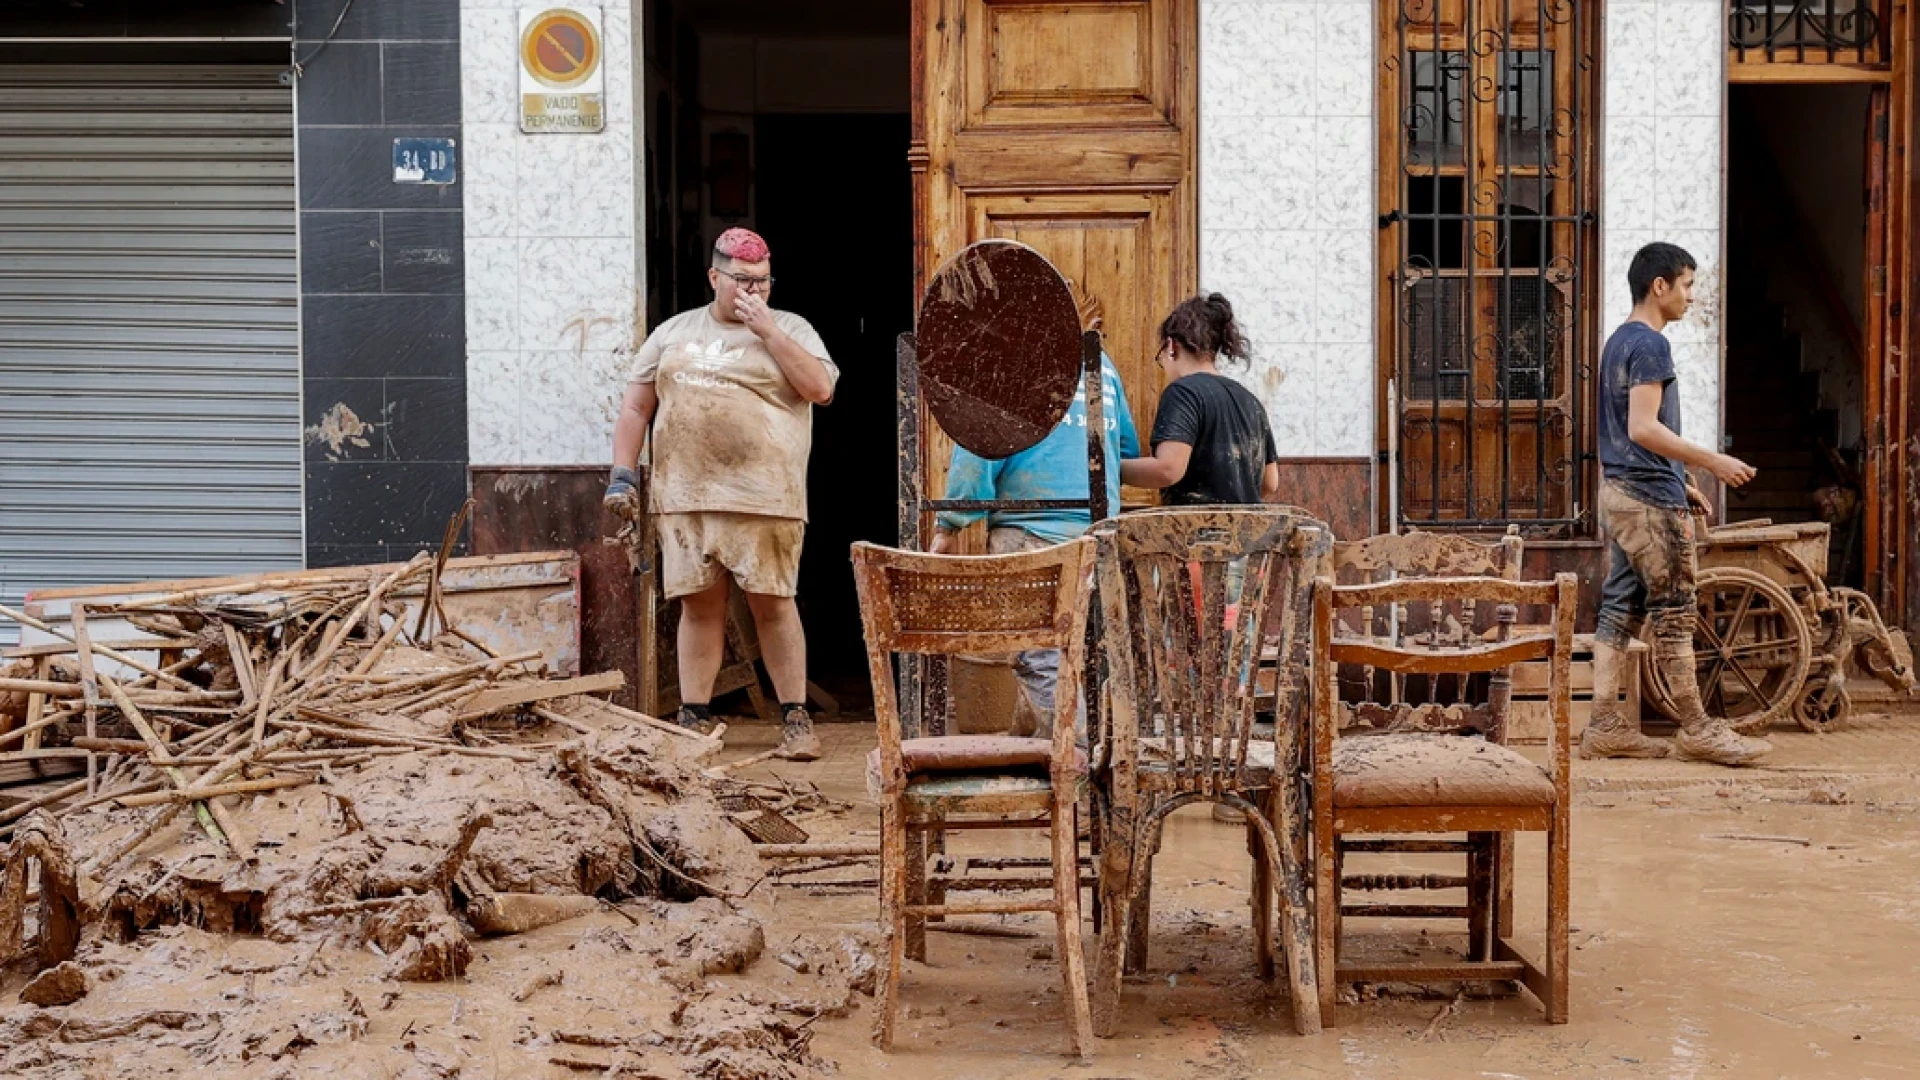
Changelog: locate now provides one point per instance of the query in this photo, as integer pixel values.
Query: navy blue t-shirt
(1636, 355)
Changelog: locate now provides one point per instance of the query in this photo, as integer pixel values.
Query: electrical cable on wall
(300, 63)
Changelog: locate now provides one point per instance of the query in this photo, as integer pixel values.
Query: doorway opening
(793, 120)
(1799, 314)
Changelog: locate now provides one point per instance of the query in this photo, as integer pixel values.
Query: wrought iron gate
(1489, 231)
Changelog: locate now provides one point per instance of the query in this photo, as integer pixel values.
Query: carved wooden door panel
(1071, 126)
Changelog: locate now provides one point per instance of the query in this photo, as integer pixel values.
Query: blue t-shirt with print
(1054, 468)
(1637, 355)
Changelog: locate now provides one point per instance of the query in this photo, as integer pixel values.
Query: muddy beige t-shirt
(731, 433)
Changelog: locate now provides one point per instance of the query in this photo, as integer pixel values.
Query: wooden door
(1488, 245)
(1071, 126)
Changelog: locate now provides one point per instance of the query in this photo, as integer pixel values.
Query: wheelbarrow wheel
(1823, 705)
(1751, 650)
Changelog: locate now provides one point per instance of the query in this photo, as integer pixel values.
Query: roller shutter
(149, 325)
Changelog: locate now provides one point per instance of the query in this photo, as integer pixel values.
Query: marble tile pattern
(552, 253)
(1287, 217)
(1664, 178)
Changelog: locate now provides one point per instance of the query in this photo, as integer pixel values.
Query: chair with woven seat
(946, 605)
(1182, 663)
(1426, 775)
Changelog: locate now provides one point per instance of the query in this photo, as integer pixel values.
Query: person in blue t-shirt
(1054, 468)
(1647, 503)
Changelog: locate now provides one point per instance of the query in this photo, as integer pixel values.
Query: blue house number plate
(423, 161)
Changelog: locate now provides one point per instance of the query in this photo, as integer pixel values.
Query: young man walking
(1647, 504)
(728, 391)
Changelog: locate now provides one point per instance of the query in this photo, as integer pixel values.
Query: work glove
(623, 493)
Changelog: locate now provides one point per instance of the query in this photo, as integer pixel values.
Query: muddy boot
(696, 718)
(1702, 737)
(1609, 733)
(797, 740)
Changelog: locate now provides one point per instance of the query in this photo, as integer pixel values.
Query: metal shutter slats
(149, 333)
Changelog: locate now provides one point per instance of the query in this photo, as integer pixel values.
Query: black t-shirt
(1227, 428)
(1636, 355)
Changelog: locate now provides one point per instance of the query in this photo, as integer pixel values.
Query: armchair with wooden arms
(1429, 778)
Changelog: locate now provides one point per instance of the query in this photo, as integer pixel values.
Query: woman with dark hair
(1211, 443)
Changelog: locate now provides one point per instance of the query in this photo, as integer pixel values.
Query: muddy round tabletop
(999, 347)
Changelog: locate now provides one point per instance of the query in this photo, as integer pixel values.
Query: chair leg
(1296, 927)
(1066, 899)
(916, 893)
(1557, 916)
(1140, 910)
(1261, 899)
(1326, 923)
(1119, 842)
(1480, 899)
(893, 891)
(1503, 887)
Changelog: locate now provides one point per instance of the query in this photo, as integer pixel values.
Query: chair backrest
(1333, 644)
(1414, 555)
(1182, 652)
(944, 605)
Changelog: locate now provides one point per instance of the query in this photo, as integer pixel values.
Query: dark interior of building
(793, 120)
(1796, 306)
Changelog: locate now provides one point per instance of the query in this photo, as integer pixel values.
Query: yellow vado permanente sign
(562, 78)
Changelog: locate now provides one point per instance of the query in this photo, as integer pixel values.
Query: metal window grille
(1808, 31)
(1493, 243)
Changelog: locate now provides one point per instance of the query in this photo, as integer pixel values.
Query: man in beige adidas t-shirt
(729, 390)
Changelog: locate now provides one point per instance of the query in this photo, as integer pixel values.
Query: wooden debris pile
(465, 791)
(256, 691)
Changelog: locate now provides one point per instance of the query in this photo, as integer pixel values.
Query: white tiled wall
(1287, 216)
(552, 253)
(1665, 85)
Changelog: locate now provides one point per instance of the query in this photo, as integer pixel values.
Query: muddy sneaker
(1720, 745)
(1611, 736)
(797, 740)
(695, 718)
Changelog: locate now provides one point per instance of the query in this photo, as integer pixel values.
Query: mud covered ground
(1759, 924)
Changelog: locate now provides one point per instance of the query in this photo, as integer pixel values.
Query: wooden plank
(67, 648)
(492, 701)
(44, 765)
(1801, 74)
(1489, 971)
(1422, 661)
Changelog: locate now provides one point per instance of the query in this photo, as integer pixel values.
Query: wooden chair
(1180, 725)
(1436, 781)
(946, 605)
(1483, 707)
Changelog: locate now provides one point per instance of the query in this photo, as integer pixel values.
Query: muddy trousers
(1036, 672)
(1650, 579)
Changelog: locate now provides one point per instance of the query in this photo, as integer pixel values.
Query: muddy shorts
(762, 553)
(1650, 564)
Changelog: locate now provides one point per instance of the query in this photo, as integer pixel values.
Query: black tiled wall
(382, 279)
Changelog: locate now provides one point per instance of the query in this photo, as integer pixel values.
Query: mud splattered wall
(1662, 155)
(1287, 208)
(384, 380)
(552, 253)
